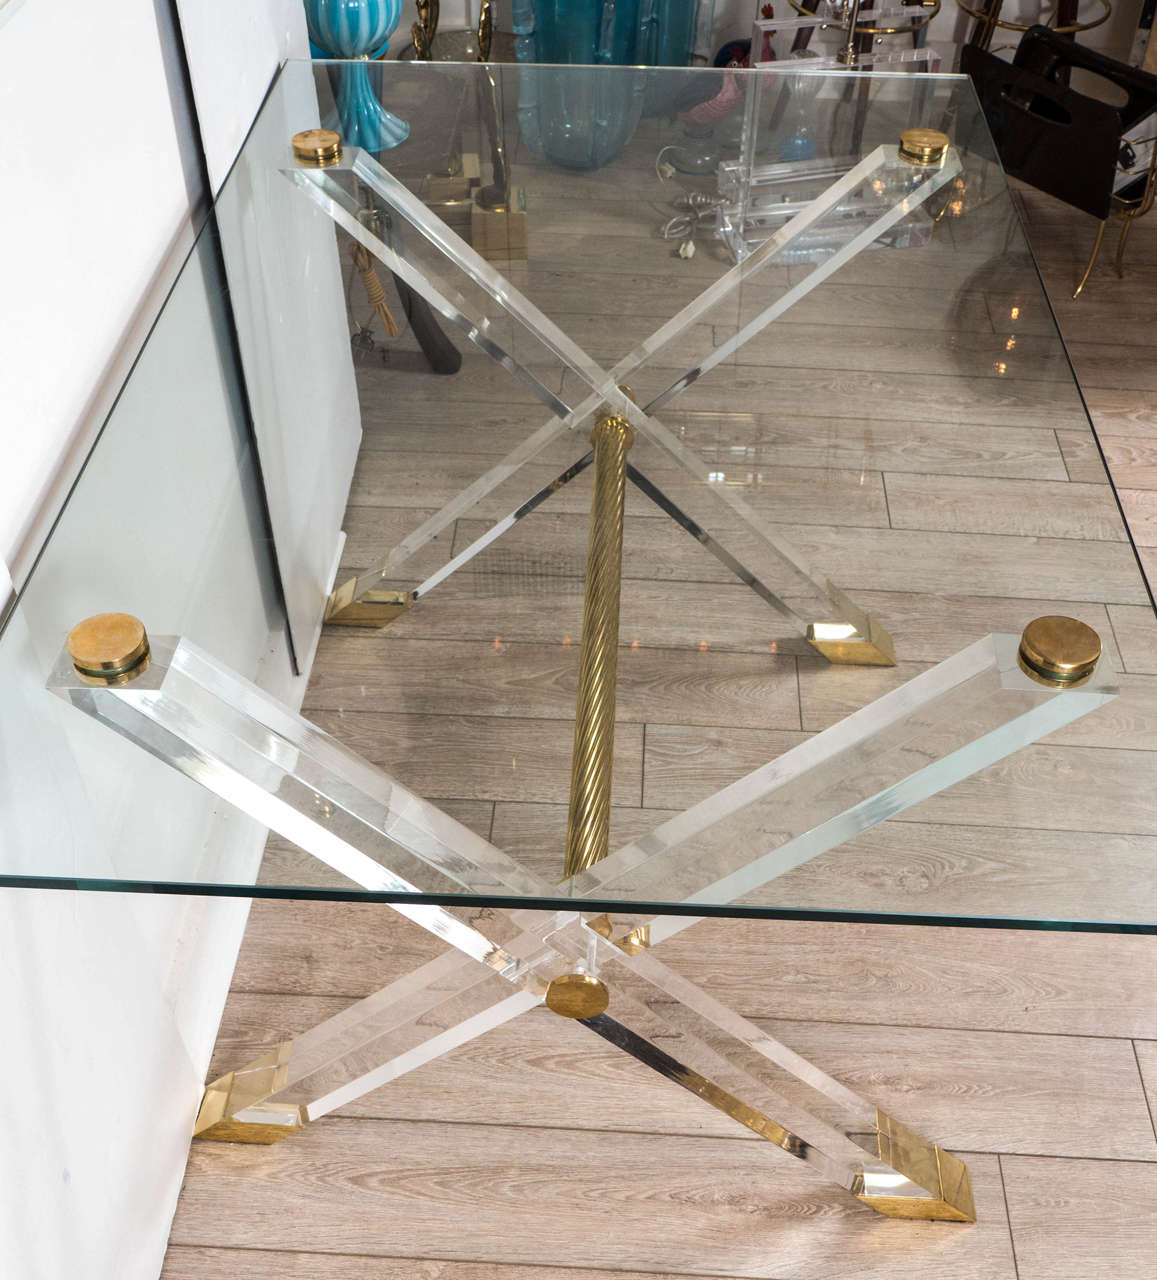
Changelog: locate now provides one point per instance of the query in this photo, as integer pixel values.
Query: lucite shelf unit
(941, 605)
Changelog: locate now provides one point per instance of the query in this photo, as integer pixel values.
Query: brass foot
(928, 1166)
(235, 1107)
(842, 643)
(370, 609)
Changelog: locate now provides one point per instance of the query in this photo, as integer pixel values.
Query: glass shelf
(843, 370)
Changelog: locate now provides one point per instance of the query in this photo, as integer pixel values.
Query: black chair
(1062, 142)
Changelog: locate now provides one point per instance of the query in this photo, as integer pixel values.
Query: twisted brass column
(588, 822)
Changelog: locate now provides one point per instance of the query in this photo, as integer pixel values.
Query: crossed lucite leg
(221, 731)
(661, 1020)
(466, 290)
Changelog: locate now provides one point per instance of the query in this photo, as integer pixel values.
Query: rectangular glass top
(845, 382)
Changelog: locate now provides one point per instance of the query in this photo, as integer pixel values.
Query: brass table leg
(588, 823)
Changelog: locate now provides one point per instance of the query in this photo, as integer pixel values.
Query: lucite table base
(586, 948)
(868, 202)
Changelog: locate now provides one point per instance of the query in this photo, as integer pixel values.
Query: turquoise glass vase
(358, 29)
(581, 119)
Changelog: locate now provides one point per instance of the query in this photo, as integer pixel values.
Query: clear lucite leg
(946, 724)
(658, 1018)
(229, 736)
(893, 190)
(677, 1029)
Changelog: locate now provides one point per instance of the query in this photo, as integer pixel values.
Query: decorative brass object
(988, 19)
(588, 822)
(485, 30)
(577, 995)
(925, 147)
(428, 17)
(421, 42)
(1059, 651)
(109, 648)
(317, 148)
(366, 268)
(922, 12)
(372, 609)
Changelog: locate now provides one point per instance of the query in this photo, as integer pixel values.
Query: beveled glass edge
(593, 906)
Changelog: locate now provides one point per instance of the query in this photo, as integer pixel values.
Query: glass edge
(591, 906)
(634, 67)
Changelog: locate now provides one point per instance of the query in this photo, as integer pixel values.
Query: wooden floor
(951, 509)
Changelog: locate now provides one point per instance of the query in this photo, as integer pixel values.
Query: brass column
(588, 822)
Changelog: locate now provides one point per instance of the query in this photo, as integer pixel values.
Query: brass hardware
(588, 821)
(373, 608)
(857, 639)
(317, 147)
(928, 1166)
(109, 648)
(924, 147)
(1058, 651)
(841, 643)
(577, 995)
(630, 943)
(234, 1106)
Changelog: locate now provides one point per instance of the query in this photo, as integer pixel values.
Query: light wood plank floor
(963, 500)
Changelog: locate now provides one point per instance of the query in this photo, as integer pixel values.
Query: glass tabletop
(840, 375)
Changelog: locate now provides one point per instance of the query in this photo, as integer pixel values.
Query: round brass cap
(577, 995)
(923, 146)
(317, 147)
(109, 648)
(1059, 651)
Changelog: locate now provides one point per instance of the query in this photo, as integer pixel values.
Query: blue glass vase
(580, 119)
(358, 29)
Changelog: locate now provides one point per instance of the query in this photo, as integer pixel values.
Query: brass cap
(1059, 651)
(317, 147)
(577, 995)
(923, 146)
(109, 648)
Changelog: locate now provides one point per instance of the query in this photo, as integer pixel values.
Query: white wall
(110, 1003)
(92, 225)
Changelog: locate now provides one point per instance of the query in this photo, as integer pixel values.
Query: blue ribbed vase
(578, 118)
(358, 29)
